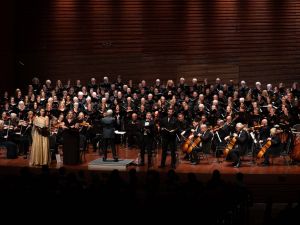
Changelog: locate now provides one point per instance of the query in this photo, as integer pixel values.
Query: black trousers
(168, 144)
(194, 154)
(106, 143)
(269, 152)
(146, 145)
(235, 155)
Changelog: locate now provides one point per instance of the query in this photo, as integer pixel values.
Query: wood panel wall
(7, 74)
(146, 39)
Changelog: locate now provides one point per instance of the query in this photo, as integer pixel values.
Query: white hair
(80, 93)
(243, 82)
(21, 103)
(13, 115)
(239, 125)
(258, 83)
(109, 112)
(242, 99)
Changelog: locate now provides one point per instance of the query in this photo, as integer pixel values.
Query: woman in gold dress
(40, 153)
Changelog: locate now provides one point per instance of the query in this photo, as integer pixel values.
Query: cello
(194, 144)
(187, 143)
(230, 146)
(264, 149)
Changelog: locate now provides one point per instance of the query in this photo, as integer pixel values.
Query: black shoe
(116, 160)
(186, 158)
(265, 164)
(238, 165)
(104, 159)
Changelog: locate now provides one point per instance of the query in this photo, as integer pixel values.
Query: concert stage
(279, 181)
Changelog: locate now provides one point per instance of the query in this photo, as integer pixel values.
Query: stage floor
(279, 181)
(206, 166)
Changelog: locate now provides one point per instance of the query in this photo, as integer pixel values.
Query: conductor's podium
(109, 164)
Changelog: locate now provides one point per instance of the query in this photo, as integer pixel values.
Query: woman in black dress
(71, 140)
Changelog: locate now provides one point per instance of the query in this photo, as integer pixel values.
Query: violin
(217, 128)
(264, 149)
(84, 124)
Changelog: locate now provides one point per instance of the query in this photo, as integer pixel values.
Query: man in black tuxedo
(108, 124)
(168, 130)
(148, 132)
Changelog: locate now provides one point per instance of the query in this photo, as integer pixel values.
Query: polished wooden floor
(207, 165)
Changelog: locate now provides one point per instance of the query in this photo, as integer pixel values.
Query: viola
(264, 149)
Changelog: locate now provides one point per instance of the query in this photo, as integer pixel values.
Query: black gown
(71, 143)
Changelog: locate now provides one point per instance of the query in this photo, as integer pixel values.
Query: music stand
(252, 150)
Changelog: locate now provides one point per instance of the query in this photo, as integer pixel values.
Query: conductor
(109, 124)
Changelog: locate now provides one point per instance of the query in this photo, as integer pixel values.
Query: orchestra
(209, 117)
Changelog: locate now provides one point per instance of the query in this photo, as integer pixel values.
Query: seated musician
(133, 130)
(274, 148)
(264, 131)
(206, 137)
(241, 144)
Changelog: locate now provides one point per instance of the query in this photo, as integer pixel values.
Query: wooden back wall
(147, 39)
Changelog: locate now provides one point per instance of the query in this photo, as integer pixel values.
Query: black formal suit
(206, 138)
(148, 133)
(264, 133)
(108, 125)
(133, 130)
(240, 147)
(168, 139)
